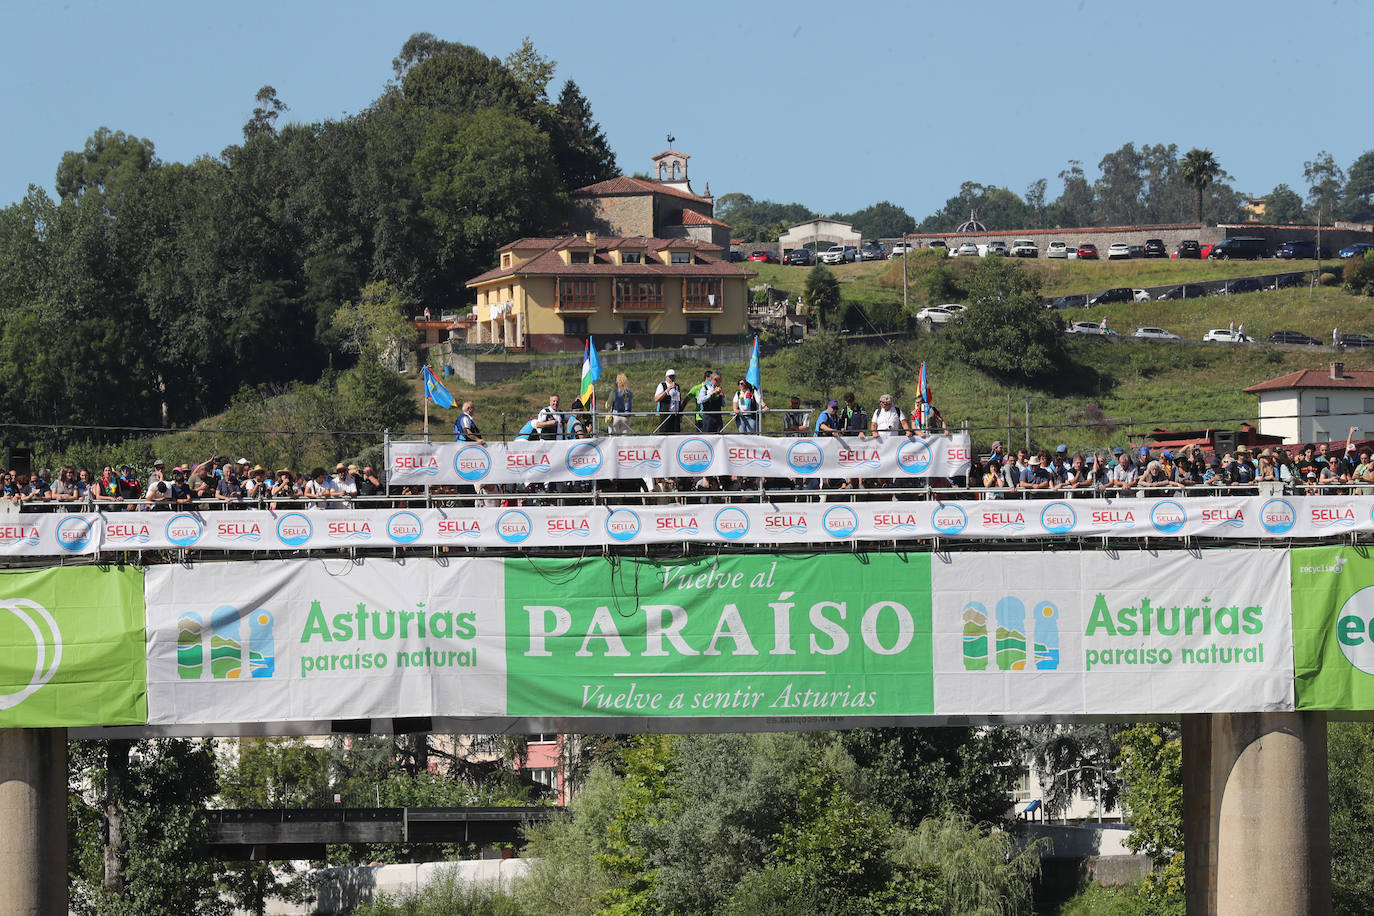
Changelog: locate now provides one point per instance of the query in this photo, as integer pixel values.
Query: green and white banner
(71, 647)
(1106, 633)
(1333, 627)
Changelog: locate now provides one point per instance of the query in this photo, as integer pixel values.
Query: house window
(682, 257)
(631, 257)
(701, 293)
(575, 327)
(505, 260)
(638, 294)
(1323, 405)
(699, 327)
(636, 326)
(1369, 405)
(576, 294)
(544, 738)
(579, 257)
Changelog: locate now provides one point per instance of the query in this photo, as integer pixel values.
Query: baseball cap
(672, 372)
(1216, 462)
(833, 404)
(996, 446)
(242, 461)
(1311, 476)
(1118, 451)
(157, 462)
(1062, 449)
(1089, 460)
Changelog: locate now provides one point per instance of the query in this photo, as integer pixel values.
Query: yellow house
(548, 295)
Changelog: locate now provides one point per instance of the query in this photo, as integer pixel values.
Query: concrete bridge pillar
(1256, 815)
(33, 821)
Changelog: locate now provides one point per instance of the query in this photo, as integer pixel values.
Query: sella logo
(294, 529)
(28, 534)
(695, 455)
(584, 459)
(804, 457)
(840, 522)
(460, 528)
(1058, 518)
(237, 531)
(732, 523)
(913, 456)
(427, 465)
(74, 534)
(622, 525)
(749, 457)
(513, 526)
(348, 529)
(528, 462)
(404, 527)
(1277, 516)
(183, 530)
(472, 463)
(678, 523)
(1168, 517)
(784, 522)
(230, 654)
(630, 458)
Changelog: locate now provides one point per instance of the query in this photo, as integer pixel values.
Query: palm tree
(1199, 168)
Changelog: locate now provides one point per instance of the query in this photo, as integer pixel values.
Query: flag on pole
(923, 389)
(436, 392)
(591, 371)
(752, 375)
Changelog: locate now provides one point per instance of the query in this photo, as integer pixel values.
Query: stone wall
(488, 372)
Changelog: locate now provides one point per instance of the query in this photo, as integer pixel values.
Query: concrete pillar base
(1255, 812)
(33, 821)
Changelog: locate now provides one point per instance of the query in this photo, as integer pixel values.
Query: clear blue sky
(833, 105)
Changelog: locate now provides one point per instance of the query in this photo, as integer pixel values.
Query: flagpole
(424, 386)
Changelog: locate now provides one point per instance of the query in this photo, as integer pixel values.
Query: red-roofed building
(664, 206)
(1317, 405)
(548, 295)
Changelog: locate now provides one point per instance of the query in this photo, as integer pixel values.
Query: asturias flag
(752, 375)
(435, 391)
(591, 371)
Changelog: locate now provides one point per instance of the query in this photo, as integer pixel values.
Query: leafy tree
(1152, 773)
(883, 220)
(1035, 201)
(1350, 765)
(265, 113)
(1325, 181)
(820, 361)
(1120, 189)
(1074, 206)
(821, 294)
(1198, 170)
(996, 208)
(1006, 331)
(580, 147)
(530, 68)
(1357, 201)
(376, 327)
(151, 794)
(1358, 275)
(1283, 205)
(1075, 760)
(111, 163)
(758, 221)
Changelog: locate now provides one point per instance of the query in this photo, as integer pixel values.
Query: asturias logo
(47, 640)
(230, 655)
(1009, 647)
(472, 463)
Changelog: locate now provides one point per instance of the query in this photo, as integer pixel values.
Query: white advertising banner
(628, 457)
(318, 639)
(782, 523)
(1112, 633)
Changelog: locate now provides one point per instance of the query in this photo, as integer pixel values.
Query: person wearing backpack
(747, 406)
(853, 418)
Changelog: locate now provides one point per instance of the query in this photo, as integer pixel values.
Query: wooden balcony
(575, 306)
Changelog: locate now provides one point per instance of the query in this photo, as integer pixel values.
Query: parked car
(1242, 285)
(1116, 251)
(1355, 340)
(900, 249)
(800, 257)
(764, 257)
(1301, 248)
(1244, 247)
(1293, 337)
(1188, 248)
(1227, 335)
(935, 314)
(953, 308)
(937, 243)
(1186, 291)
(1087, 252)
(1288, 281)
(965, 250)
(1357, 250)
(1075, 301)
(1057, 250)
(1091, 327)
(1137, 251)
(1140, 295)
(1154, 248)
(997, 246)
(873, 251)
(735, 257)
(1115, 294)
(1024, 248)
(836, 254)
(1205, 251)
(1155, 334)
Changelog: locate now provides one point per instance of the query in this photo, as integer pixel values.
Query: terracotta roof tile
(1317, 378)
(625, 185)
(693, 218)
(549, 263)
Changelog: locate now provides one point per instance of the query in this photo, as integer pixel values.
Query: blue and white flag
(752, 375)
(436, 392)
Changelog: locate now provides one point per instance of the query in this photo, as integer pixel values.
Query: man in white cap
(668, 404)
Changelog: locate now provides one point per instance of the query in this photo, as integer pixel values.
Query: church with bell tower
(662, 206)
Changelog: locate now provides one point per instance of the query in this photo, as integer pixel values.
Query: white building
(1317, 405)
(819, 234)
